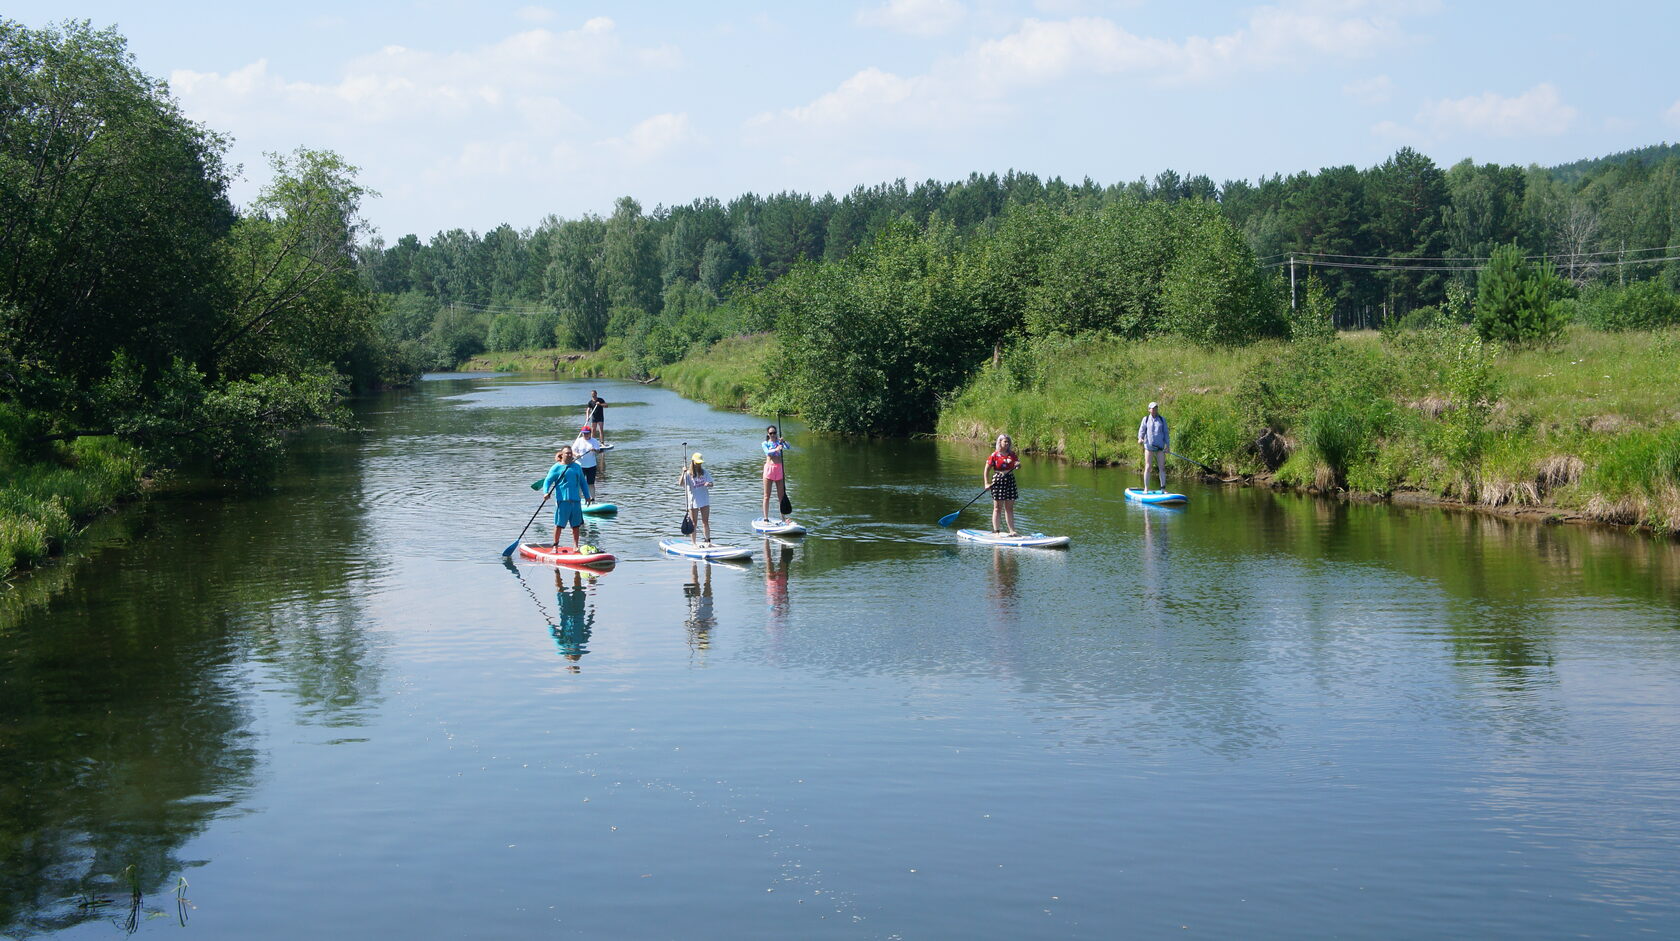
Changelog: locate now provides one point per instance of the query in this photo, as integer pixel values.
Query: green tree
(1517, 300)
(1213, 293)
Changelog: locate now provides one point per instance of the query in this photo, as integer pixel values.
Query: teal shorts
(568, 513)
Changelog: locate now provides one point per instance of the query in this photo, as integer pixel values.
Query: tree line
(1386, 241)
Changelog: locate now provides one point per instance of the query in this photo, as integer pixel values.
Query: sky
(473, 114)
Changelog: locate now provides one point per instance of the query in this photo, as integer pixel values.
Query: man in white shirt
(586, 448)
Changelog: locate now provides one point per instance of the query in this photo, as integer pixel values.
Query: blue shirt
(1153, 433)
(770, 448)
(568, 482)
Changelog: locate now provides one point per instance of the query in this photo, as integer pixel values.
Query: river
(329, 709)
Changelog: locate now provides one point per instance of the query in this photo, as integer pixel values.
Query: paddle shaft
(687, 494)
(787, 505)
(950, 518)
(1197, 463)
(515, 544)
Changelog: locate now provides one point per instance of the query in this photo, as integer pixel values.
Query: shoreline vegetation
(1586, 429)
(194, 332)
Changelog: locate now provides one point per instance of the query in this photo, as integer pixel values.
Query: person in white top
(586, 448)
(699, 484)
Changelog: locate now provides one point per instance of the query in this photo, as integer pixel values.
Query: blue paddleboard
(1155, 497)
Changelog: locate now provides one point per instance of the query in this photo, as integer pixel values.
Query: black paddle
(1197, 463)
(515, 544)
(688, 497)
(787, 505)
(950, 518)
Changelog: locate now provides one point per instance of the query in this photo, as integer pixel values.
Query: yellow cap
(697, 458)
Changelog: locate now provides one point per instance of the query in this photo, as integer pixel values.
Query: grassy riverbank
(45, 500)
(1590, 425)
(730, 374)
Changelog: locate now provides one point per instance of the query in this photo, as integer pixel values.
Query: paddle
(515, 544)
(1197, 463)
(787, 505)
(688, 498)
(950, 518)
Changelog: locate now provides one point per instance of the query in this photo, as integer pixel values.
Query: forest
(148, 324)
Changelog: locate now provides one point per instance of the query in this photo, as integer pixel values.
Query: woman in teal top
(571, 488)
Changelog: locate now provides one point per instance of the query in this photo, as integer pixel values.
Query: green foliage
(1212, 292)
(873, 343)
(1517, 300)
(1473, 390)
(1643, 305)
(1311, 320)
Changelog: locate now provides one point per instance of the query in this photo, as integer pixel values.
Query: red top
(1003, 464)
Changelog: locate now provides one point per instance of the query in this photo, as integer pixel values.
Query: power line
(1349, 264)
(1445, 258)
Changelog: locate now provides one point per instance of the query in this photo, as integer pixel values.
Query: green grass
(605, 363)
(1590, 424)
(45, 499)
(731, 374)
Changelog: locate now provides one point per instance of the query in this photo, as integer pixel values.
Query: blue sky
(470, 114)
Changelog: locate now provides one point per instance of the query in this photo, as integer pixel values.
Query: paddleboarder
(597, 411)
(570, 488)
(1152, 434)
(775, 473)
(699, 483)
(999, 477)
(586, 448)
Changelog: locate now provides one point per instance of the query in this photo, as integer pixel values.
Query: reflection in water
(1006, 571)
(575, 620)
(126, 692)
(697, 591)
(571, 635)
(776, 568)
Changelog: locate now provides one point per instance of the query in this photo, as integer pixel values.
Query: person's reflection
(776, 576)
(1154, 560)
(698, 592)
(1006, 570)
(571, 634)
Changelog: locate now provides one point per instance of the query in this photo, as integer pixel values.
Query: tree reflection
(126, 690)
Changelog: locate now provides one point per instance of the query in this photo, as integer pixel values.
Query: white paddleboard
(777, 528)
(683, 547)
(1023, 541)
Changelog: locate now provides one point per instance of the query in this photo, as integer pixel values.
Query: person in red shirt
(999, 477)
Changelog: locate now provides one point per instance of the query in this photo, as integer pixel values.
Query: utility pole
(1291, 282)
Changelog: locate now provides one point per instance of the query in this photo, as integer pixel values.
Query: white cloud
(449, 126)
(653, 138)
(1538, 112)
(980, 83)
(1672, 115)
(917, 17)
(1370, 91)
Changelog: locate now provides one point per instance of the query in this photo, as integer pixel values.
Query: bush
(1643, 305)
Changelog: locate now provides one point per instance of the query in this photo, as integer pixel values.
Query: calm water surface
(333, 711)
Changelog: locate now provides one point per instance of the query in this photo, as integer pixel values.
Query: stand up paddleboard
(1023, 541)
(774, 528)
(683, 547)
(566, 555)
(598, 509)
(1155, 497)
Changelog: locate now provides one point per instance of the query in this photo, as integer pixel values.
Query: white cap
(1153, 405)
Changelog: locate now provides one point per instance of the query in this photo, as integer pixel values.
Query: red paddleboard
(566, 555)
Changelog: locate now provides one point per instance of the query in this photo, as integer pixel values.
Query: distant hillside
(1644, 156)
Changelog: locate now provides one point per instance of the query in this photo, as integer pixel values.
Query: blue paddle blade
(949, 518)
(509, 550)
